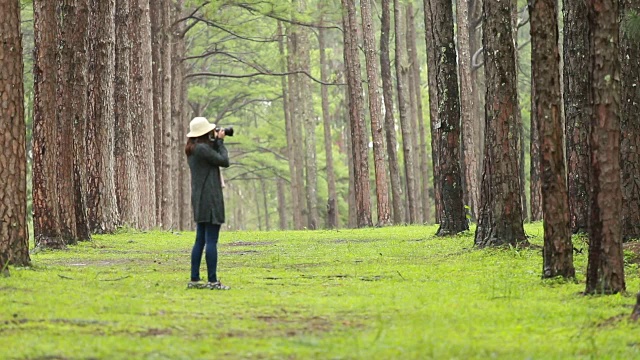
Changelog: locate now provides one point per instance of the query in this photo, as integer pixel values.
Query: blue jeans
(206, 234)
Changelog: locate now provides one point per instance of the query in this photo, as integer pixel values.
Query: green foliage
(378, 293)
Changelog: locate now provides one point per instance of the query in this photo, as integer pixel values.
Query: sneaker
(196, 285)
(217, 286)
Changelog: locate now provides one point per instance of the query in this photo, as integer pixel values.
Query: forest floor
(380, 293)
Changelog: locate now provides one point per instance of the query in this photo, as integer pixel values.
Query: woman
(206, 154)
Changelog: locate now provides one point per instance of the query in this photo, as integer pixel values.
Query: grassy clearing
(392, 293)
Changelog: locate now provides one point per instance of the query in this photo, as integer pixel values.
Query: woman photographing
(206, 154)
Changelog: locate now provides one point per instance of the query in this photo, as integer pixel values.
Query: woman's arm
(217, 155)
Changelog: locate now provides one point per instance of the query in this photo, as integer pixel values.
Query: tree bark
(71, 112)
(469, 153)
(453, 219)
(168, 167)
(46, 219)
(477, 85)
(332, 201)
(359, 139)
(14, 237)
(125, 182)
(630, 128)
(142, 112)
(401, 70)
(294, 133)
(577, 109)
(375, 106)
(282, 203)
(419, 136)
(605, 269)
(309, 124)
(181, 209)
(545, 62)
(535, 157)
(389, 121)
(157, 70)
(433, 116)
(500, 220)
(101, 199)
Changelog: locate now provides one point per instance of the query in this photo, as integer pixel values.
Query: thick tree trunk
(435, 123)
(500, 220)
(78, 100)
(126, 192)
(545, 62)
(401, 70)
(389, 122)
(71, 112)
(469, 153)
(101, 197)
(453, 219)
(630, 128)
(294, 133)
(605, 270)
(142, 112)
(577, 109)
(332, 201)
(359, 139)
(14, 237)
(375, 106)
(419, 136)
(178, 122)
(46, 219)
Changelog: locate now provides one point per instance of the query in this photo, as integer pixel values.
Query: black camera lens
(227, 131)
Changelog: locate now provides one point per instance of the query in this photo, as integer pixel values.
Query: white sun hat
(200, 126)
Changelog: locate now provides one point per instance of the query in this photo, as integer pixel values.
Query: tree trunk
(419, 136)
(309, 124)
(142, 111)
(71, 112)
(469, 154)
(178, 121)
(286, 109)
(168, 167)
(500, 220)
(389, 122)
(630, 129)
(46, 220)
(453, 219)
(477, 85)
(123, 148)
(79, 102)
(382, 191)
(545, 69)
(433, 116)
(401, 70)
(157, 56)
(101, 198)
(332, 201)
(605, 270)
(282, 203)
(294, 133)
(14, 239)
(359, 139)
(535, 156)
(577, 109)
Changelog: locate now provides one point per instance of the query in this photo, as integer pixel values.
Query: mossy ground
(390, 293)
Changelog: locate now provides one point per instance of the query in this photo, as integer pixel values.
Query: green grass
(391, 293)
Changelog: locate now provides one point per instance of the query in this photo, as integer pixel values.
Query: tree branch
(241, 76)
(212, 24)
(272, 15)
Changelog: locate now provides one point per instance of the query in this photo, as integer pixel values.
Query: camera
(228, 131)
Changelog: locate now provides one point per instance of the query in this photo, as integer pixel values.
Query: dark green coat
(206, 185)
